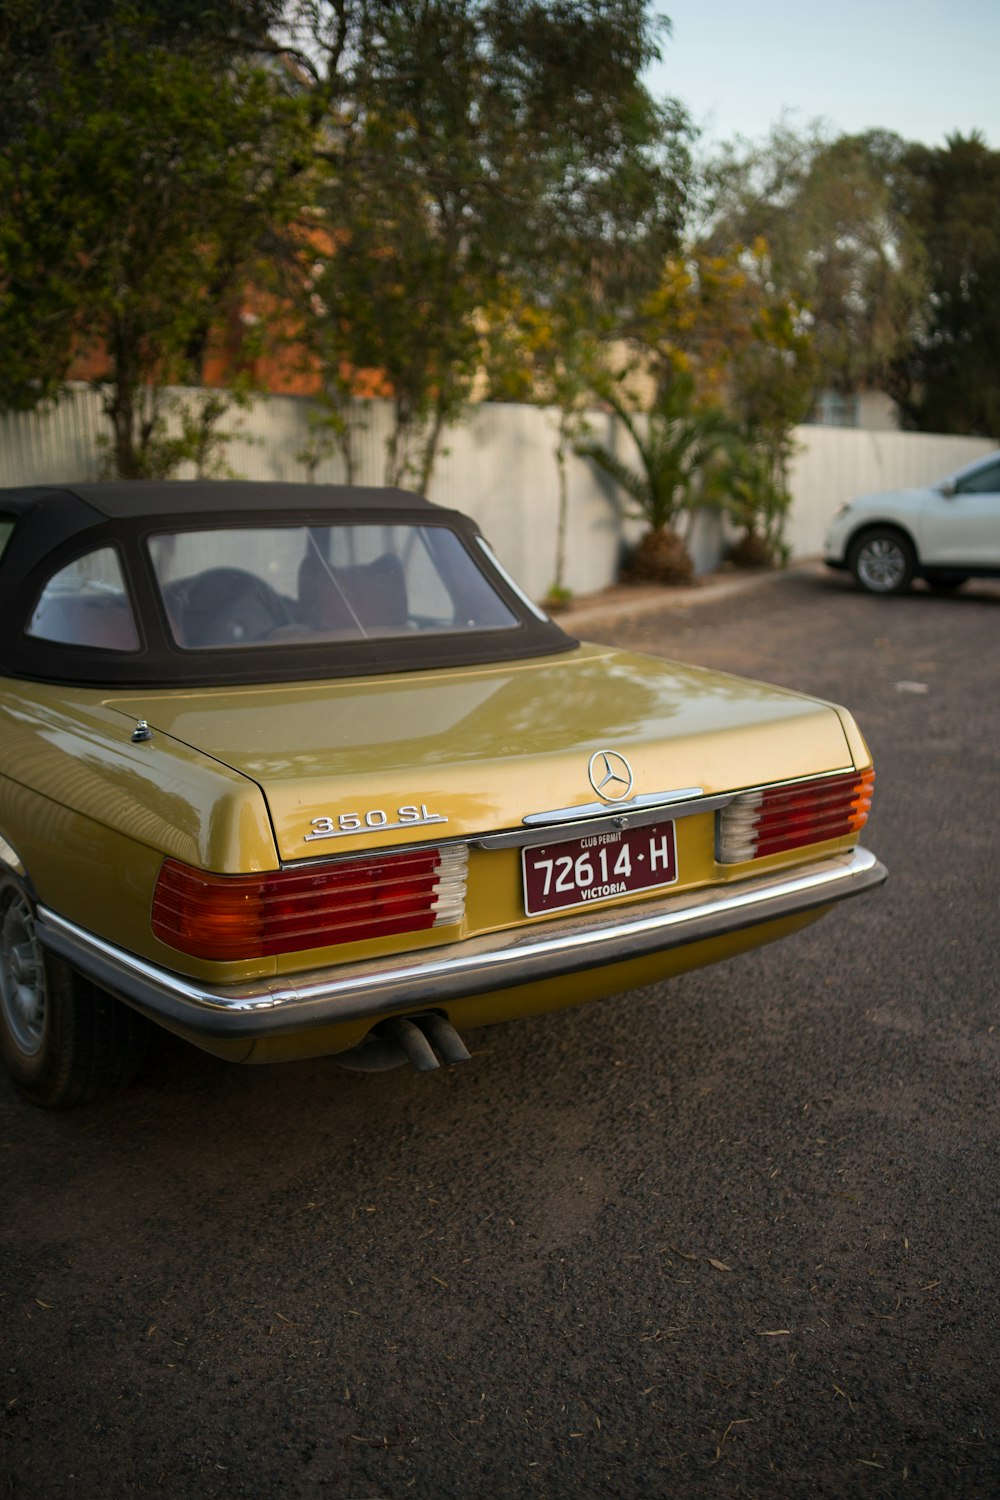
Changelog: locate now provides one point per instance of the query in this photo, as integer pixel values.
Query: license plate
(598, 866)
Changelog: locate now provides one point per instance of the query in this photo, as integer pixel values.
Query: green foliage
(550, 354)
(837, 241)
(775, 370)
(673, 442)
(153, 155)
(332, 424)
(558, 597)
(948, 378)
(174, 432)
(731, 364)
(472, 149)
(745, 481)
(719, 328)
(137, 188)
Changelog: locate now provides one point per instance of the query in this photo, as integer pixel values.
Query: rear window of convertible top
(248, 586)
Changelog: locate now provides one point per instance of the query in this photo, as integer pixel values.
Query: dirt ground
(734, 1236)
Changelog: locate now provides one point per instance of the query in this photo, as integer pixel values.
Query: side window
(85, 604)
(983, 482)
(6, 527)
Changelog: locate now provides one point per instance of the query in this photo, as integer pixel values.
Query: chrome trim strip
(546, 950)
(515, 588)
(594, 809)
(8, 858)
(613, 821)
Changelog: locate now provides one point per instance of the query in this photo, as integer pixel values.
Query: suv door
(961, 527)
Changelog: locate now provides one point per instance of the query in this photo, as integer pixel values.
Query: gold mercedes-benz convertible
(293, 770)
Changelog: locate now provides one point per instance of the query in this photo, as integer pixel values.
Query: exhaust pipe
(408, 1036)
(443, 1037)
(417, 1040)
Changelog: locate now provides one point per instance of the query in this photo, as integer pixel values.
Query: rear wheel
(883, 561)
(63, 1040)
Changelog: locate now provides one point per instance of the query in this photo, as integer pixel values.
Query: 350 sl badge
(376, 820)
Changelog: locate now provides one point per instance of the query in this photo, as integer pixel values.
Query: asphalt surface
(734, 1236)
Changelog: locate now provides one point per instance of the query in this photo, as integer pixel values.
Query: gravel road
(734, 1236)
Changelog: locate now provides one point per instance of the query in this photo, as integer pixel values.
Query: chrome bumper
(409, 982)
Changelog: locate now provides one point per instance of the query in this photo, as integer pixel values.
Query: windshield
(284, 584)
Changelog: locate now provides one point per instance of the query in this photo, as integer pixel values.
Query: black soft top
(53, 524)
(67, 510)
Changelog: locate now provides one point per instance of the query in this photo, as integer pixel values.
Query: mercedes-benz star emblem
(610, 775)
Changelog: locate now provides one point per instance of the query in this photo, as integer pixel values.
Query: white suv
(946, 533)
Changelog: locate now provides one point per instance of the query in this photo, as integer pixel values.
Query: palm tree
(673, 440)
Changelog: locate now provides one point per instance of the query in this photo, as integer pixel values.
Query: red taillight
(230, 917)
(777, 818)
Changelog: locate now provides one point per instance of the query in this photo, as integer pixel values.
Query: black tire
(882, 560)
(62, 1040)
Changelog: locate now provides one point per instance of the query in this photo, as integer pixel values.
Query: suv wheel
(882, 561)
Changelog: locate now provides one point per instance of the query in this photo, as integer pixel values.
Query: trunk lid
(389, 760)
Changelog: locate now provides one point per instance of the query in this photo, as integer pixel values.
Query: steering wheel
(229, 607)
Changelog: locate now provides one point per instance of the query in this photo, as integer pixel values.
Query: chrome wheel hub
(881, 565)
(22, 977)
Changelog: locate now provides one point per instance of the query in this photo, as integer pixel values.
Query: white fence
(499, 466)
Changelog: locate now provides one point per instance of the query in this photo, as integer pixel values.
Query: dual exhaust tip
(425, 1042)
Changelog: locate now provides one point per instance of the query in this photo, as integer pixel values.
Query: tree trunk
(558, 583)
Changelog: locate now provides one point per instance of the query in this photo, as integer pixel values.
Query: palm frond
(631, 480)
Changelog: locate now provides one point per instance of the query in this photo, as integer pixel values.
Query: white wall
(499, 466)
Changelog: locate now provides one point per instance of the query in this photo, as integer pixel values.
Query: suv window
(984, 482)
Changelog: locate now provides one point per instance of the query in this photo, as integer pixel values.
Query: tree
(837, 241)
(948, 378)
(742, 480)
(139, 183)
(674, 441)
(771, 390)
(550, 354)
(469, 147)
(731, 362)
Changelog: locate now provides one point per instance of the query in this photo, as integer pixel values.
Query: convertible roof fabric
(54, 524)
(186, 497)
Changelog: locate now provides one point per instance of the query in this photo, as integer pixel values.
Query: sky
(922, 68)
